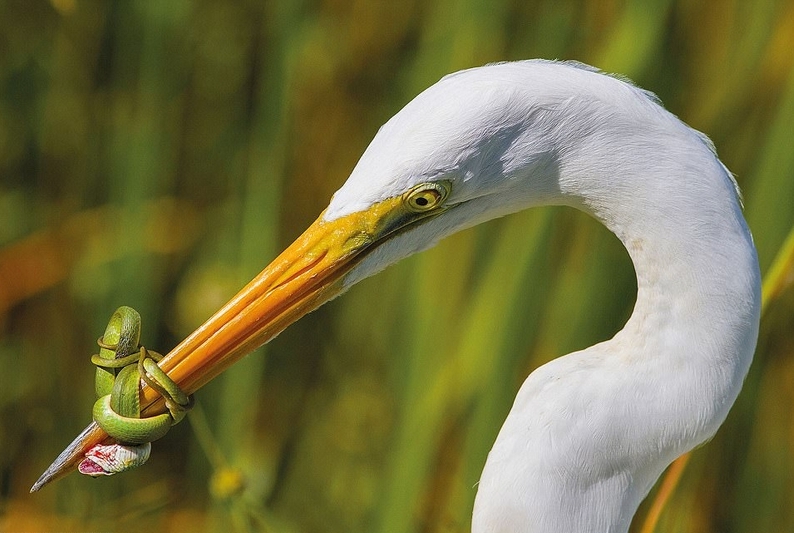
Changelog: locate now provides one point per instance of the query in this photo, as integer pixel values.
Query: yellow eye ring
(426, 196)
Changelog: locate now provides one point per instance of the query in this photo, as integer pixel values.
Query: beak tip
(43, 480)
(69, 457)
(49, 475)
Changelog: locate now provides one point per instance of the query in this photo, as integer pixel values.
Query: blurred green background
(159, 154)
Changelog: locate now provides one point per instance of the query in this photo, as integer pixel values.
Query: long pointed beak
(307, 274)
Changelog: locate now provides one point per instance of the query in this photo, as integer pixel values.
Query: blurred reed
(158, 154)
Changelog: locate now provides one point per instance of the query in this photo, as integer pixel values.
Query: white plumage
(589, 433)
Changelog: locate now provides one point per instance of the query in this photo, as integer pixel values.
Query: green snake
(121, 365)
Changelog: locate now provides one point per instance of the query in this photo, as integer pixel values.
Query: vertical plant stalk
(779, 277)
(669, 483)
(781, 274)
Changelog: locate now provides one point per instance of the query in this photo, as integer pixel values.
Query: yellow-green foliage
(159, 153)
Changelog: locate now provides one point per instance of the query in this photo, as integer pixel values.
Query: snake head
(109, 459)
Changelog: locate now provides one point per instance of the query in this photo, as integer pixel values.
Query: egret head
(488, 145)
(472, 147)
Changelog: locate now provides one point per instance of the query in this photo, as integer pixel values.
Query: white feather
(590, 432)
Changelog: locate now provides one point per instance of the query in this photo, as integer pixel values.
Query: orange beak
(307, 274)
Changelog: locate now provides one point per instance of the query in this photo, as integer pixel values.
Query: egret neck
(589, 433)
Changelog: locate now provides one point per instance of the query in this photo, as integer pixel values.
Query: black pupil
(422, 201)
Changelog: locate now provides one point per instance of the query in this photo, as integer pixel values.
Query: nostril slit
(305, 268)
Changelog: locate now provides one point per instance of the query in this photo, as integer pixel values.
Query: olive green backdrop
(159, 154)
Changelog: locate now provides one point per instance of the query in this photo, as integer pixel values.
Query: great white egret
(589, 432)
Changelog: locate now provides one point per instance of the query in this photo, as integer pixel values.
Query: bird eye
(426, 196)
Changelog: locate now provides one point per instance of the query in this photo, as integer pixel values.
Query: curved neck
(677, 213)
(591, 432)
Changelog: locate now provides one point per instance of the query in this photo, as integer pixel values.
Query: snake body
(121, 364)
